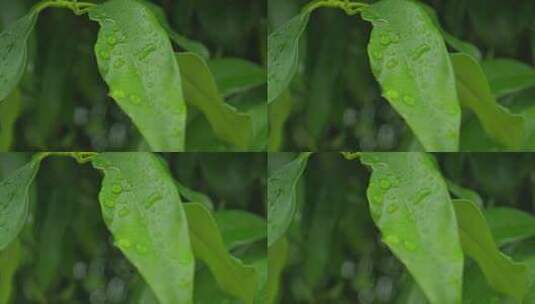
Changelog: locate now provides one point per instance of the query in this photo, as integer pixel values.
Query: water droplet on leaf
(116, 188)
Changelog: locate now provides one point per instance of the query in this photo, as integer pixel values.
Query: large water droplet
(391, 94)
(385, 184)
(392, 239)
(420, 51)
(392, 208)
(392, 63)
(109, 203)
(118, 94)
(147, 50)
(104, 54)
(116, 188)
(421, 195)
(153, 199)
(385, 39)
(112, 40)
(377, 55)
(124, 243)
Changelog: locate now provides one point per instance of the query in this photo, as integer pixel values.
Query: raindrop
(377, 55)
(124, 243)
(392, 240)
(420, 51)
(124, 212)
(109, 203)
(147, 50)
(385, 39)
(392, 63)
(116, 188)
(385, 184)
(135, 99)
(391, 94)
(104, 54)
(118, 94)
(408, 100)
(421, 195)
(112, 40)
(153, 199)
(392, 208)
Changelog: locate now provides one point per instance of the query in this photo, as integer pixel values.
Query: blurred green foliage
(67, 253)
(65, 102)
(337, 102)
(335, 250)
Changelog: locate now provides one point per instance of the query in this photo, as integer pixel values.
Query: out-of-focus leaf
(230, 273)
(508, 76)
(509, 225)
(14, 201)
(181, 40)
(465, 193)
(415, 71)
(454, 42)
(279, 111)
(277, 255)
(10, 110)
(283, 50)
(501, 272)
(476, 289)
(137, 61)
(410, 203)
(234, 75)
(201, 91)
(281, 196)
(10, 259)
(474, 93)
(240, 227)
(141, 207)
(207, 290)
(13, 52)
(194, 196)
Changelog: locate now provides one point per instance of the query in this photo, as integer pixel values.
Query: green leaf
(9, 112)
(501, 272)
(283, 51)
(414, 71)
(279, 111)
(474, 93)
(454, 42)
(234, 75)
(508, 76)
(182, 41)
(141, 207)
(281, 196)
(14, 52)
(465, 193)
(14, 201)
(194, 196)
(277, 256)
(240, 227)
(410, 203)
(201, 91)
(10, 259)
(509, 225)
(137, 61)
(230, 273)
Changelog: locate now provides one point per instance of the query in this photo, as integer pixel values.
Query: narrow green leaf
(13, 53)
(10, 259)
(410, 204)
(474, 93)
(508, 76)
(283, 51)
(181, 40)
(240, 227)
(201, 91)
(234, 75)
(281, 196)
(464, 193)
(137, 61)
(509, 225)
(14, 201)
(277, 256)
(9, 112)
(141, 207)
(230, 273)
(409, 59)
(501, 272)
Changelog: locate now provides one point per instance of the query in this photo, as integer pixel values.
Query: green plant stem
(79, 8)
(350, 8)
